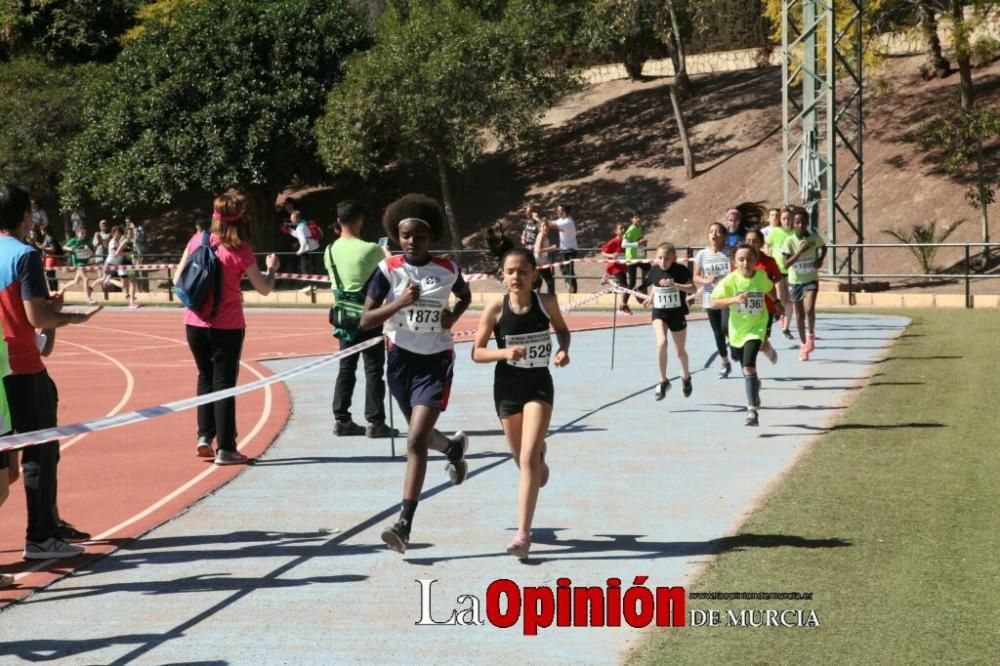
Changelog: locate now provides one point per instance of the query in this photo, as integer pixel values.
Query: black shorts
(419, 379)
(675, 318)
(747, 354)
(513, 388)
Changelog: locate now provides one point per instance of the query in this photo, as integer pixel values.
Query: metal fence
(964, 262)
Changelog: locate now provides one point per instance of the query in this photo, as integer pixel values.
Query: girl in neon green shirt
(744, 290)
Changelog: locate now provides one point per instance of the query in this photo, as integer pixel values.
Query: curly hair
(414, 206)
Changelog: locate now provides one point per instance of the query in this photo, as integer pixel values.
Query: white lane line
(264, 415)
(126, 396)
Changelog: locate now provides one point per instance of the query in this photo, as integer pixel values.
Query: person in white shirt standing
(567, 245)
(306, 242)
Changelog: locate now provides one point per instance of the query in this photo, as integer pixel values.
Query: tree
(918, 240)
(72, 31)
(225, 93)
(937, 65)
(438, 81)
(959, 140)
(39, 114)
(625, 31)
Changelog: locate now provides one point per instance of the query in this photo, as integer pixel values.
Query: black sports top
(529, 330)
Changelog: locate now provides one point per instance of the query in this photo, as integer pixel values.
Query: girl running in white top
(711, 265)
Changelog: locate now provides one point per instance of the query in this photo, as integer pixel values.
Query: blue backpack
(201, 279)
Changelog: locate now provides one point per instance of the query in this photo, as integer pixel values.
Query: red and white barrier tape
(130, 267)
(26, 439)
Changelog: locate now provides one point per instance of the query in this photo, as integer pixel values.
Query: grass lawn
(909, 480)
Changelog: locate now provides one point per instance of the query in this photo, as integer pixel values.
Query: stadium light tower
(821, 55)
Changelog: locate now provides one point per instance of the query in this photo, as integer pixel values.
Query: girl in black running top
(522, 386)
(671, 283)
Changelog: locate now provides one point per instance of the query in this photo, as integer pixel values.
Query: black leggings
(631, 269)
(217, 354)
(545, 275)
(719, 319)
(746, 355)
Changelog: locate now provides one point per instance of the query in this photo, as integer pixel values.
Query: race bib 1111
(666, 298)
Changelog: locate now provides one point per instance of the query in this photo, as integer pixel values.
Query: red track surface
(118, 484)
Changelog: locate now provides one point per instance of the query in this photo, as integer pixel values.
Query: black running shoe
(347, 429)
(457, 468)
(67, 532)
(688, 387)
(661, 390)
(396, 537)
(378, 430)
(787, 334)
(751, 418)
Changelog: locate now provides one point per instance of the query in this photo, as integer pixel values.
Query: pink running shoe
(803, 352)
(520, 546)
(810, 342)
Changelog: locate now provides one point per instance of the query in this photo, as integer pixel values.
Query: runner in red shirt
(613, 250)
(755, 238)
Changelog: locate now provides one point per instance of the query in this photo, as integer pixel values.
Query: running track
(119, 484)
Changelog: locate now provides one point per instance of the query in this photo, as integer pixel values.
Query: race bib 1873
(423, 316)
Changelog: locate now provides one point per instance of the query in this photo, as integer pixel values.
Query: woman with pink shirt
(216, 341)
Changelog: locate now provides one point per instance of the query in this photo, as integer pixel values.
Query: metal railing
(967, 276)
(961, 268)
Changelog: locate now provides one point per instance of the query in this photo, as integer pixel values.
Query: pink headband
(227, 218)
(734, 210)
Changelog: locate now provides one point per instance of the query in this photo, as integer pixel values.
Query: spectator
(530, 230)
(634, 242)
(306, 243)
(101, 240)
(567, 245)
(51, 255)
(614, 251)
(77, 220)
(8, 461)
(138, 235)
(216, 341)
(25, 306)
(38, 214)
(498, 244)
(349, 262)
(543, 249)
(735, 233)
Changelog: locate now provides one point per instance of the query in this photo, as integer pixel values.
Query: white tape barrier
(130, 267)
(26, 439)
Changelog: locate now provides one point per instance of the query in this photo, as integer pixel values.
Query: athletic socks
(751, 383)
(454, 450)
(407, 512)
